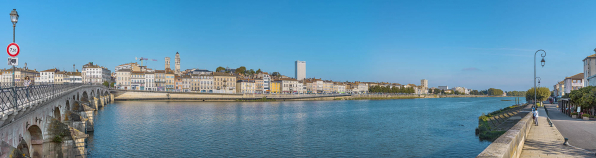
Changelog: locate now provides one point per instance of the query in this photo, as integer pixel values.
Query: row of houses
(91, 74)
(580, 80)
(132, 76)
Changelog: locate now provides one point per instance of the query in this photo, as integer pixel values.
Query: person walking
(27, 84)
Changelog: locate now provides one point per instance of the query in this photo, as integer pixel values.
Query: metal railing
(15, 98)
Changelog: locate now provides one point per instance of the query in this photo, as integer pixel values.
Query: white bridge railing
(16, 98)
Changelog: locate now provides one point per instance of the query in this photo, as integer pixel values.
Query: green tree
(275, 74)
(220, 69)
(475, 92)
(543, 94)
(584, 97)
(106, 83)
(251, 72)
(259, 71)
(495, 92)
(112, 84)
(241, 70)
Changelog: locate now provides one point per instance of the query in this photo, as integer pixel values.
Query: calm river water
(380, 128)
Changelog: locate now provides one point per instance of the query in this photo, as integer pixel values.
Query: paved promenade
(580, 133)
(546, 141)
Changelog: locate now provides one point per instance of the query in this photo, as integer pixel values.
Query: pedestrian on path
(27, 83)
(536, 117)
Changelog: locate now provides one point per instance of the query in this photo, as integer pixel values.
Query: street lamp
(14, 18)
(542, 62)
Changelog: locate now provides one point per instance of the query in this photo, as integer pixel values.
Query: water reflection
(388, 128)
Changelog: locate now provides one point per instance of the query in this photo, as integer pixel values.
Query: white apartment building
(95, 74)
(150, 81)
(300, 70)
(137, 80)
(363, 88)
(574, 82)
(590, 70)
(339, 88)
(266, 81)
(206, 83)
(47, 76)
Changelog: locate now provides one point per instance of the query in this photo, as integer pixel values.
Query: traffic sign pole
(13, 50)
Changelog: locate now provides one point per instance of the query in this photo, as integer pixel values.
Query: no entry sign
(13, 49)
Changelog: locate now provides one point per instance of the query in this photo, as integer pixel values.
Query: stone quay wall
(510, 144)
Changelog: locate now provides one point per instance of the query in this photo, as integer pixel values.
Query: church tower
(167, 63)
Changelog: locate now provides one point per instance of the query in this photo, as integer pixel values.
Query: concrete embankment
(511, 143)
(121, 95)
(190, 96)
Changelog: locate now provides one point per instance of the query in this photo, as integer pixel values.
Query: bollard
(565, 143)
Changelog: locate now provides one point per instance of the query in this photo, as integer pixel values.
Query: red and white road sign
(13, 49)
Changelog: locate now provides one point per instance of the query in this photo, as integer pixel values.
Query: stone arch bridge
(48, 120)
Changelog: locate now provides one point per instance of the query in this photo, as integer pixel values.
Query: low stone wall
(140, 95)
(510, 144)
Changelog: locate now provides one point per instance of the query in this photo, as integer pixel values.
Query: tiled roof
(576, 76)
(50, 70)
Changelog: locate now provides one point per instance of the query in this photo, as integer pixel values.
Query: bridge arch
(92, 94)
(23, 147)
(85, 97)
(67, 105)
(57, 114)
(36, 136)
(78, 96)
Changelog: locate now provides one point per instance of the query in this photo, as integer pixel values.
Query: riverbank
(218, 97)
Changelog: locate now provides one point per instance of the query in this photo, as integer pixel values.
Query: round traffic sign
(13, 49)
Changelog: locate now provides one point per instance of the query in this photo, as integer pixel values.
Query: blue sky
(474, 44)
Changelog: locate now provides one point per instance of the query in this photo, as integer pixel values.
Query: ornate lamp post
(542, 62)
(14, 17)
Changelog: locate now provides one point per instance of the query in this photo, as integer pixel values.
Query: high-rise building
(424, 83)
(300, 70)
(177, 64)
(167, 63)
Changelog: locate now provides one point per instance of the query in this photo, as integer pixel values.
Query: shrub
(586, 115)
(574, 113)
(483, 117)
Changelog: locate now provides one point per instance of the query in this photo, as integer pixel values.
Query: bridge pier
(89, 122)
(102, 100)
(96, 102)
(111, 97)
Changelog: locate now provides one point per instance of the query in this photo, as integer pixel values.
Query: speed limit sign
(13, 49)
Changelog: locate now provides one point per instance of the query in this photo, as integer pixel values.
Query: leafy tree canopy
(220, 69)
(543, 94)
